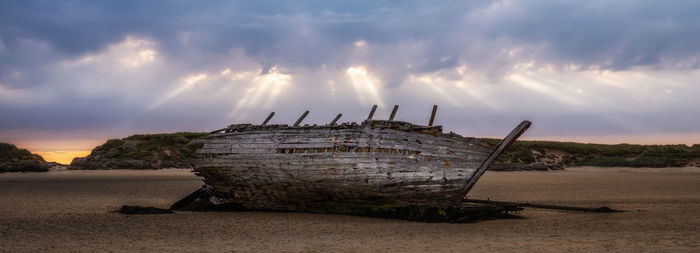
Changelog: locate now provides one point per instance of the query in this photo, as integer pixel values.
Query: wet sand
(72, 211)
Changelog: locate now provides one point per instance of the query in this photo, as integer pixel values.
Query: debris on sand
(207, 198)
(142, 210)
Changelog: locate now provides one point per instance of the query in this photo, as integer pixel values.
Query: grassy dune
(13, 159)
(603, 155)
(143, 151)
(9, 152)
(171, 146)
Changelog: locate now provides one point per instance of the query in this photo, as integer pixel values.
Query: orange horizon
(62, 157)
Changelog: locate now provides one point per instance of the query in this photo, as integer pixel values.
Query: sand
(72, 211)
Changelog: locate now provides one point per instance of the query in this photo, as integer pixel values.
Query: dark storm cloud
(615, 35)
(629, 33)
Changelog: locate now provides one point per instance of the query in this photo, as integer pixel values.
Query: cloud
(573, 67)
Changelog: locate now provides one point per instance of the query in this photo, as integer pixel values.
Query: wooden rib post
(505, 143)
(296, 124)
(336, 119)
(216, 131)
(393, 112)
(371, 112)
(268, 118)
(432, 115)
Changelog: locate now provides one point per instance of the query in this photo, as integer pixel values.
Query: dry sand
(71, 211)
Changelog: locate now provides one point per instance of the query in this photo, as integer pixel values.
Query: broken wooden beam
(296, 124)
(505, 143)
(393, 112)
(336, 119)
(371, 112)
(218, 130)
(268, 118)
(432, 115)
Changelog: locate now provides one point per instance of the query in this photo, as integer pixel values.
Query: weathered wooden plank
(393, 179)
(378, 161)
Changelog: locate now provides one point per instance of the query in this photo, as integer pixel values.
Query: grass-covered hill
(569, 154)
(9, 152)
(13, 159)
(143, 151)
(175, 150)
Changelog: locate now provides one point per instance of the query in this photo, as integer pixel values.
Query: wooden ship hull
(377, 162)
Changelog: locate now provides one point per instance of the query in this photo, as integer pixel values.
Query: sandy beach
(72, 211)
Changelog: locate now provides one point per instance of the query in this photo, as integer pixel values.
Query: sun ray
(544, 88)
(446, 89)
(186, 83)
(439, 90)
(364, 85)
(264, 91)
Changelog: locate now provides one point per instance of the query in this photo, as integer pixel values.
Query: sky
(75, 73)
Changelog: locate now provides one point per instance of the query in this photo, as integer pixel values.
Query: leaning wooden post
(296, 124)
(505, 143)
(432, 115)
(216, 131)
(336, 119)
(268, 118)
(371, 113)
(393, 112)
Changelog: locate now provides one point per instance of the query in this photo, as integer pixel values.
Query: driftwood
(602, 209)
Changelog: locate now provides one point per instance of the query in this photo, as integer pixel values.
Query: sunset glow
(62, 157)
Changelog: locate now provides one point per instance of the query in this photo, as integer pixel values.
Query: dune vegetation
(14, 159)
(9, 152)
(143, 151)
(571, 154)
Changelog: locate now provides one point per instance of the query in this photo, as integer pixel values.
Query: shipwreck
(373, 163)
